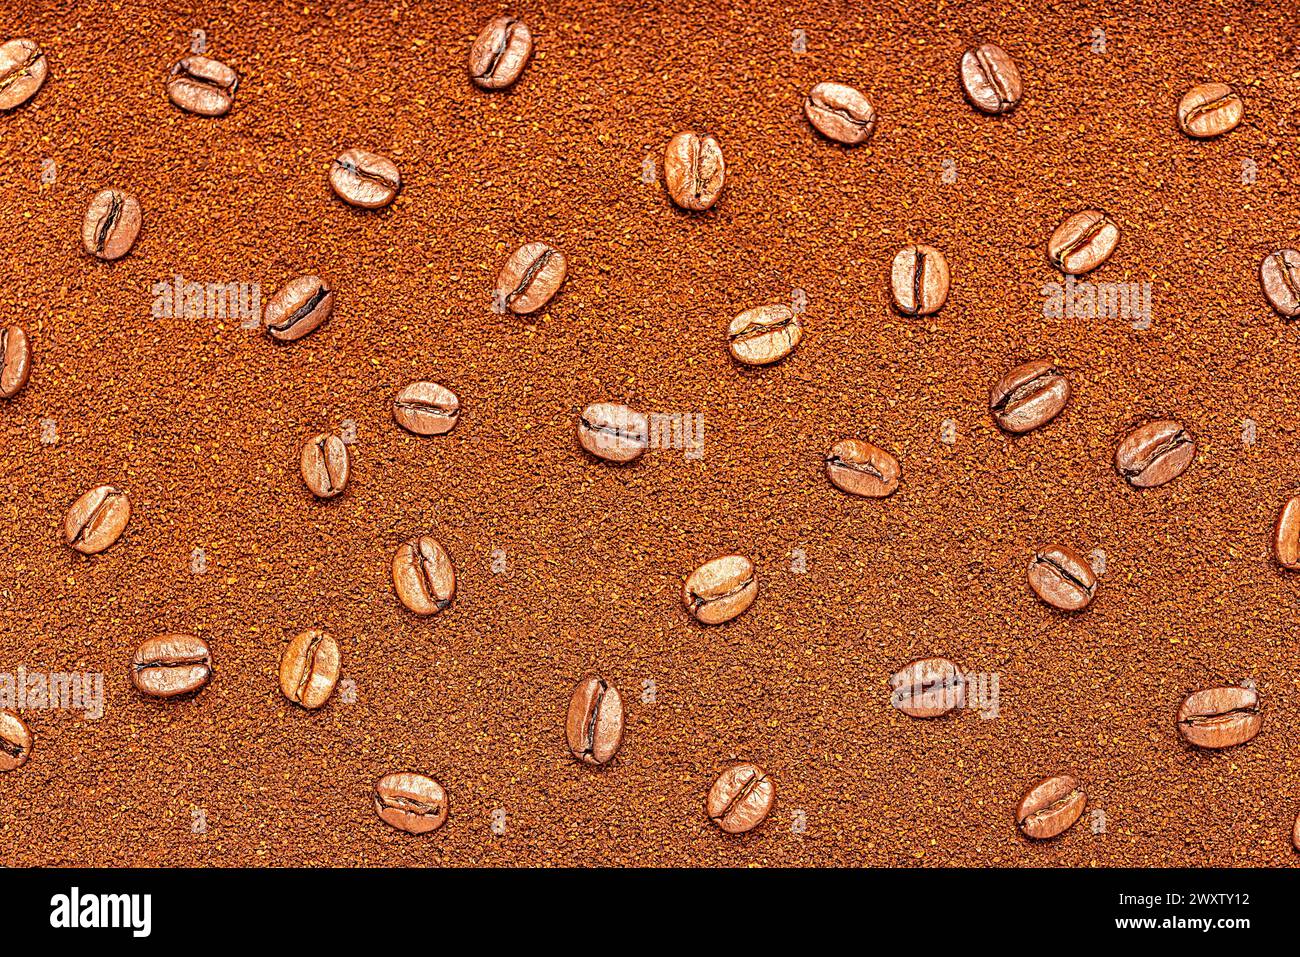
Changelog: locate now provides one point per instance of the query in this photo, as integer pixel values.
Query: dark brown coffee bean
(1154, 453)
(919, 280)
(928, 688)
(694, 170)
(423, 575)
(530, 277)
(990, 79)
(111, 224)
(840, 113)
(411, 802)
(500, 53)
(740, 798)
(426, 408)
(1083, 242)
(15, 741)
(1286, 535)
(301, 306)
(199, 84)
(324, 464)
(613, 432)
(720, 589)
(1210, 109)
(363, 179)
(1279, 277)
(1063, 578)
(1050, 807)
(22, 71)
(96, 520)
(764, 334)
(171, 665)
(860, 468)
(15, 361)
(594, 725)
(1220, 717)
(1028, 396)
(309, 668)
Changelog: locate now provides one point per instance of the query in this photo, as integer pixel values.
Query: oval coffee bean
(740, 798)
(1028, 396)
(694, 170)
(423, 575)
(426, 408)
(1154, 453)
(1220, 717)
(500, 53)
(324, 465)
(1050, 807)
(1286, 535)
(720, 589)
(613, 432)
(919, 280)
(15, 741)
(301, 306)
(1063, 578)
(1295, 833)
(860, 468)
(1279, 277)
(1083, 242)
(928, 688)
(199, 84)
(171, 665)
(96, 520)
(15, 361)
(531, 276)
(594, 726)
(411, 802)
(309, 668)
(1209, 109)
(764, 334)
(111, 224)
(363, 179)
(990, 79)
(22, 71)
(840, 113)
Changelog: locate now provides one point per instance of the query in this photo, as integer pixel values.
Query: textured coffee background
(200, 421)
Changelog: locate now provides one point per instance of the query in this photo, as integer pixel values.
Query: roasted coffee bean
(15, 361)
(199, 84)
(990, 79)
(111, 224)
(324, 464)
(301, 306)
(1154, 453)
(15, 741)
(96, 519)
(613, 432)
(740, 798)
(1028, 396)
(720, 589)
(694, 170)
(840, 113)
(309, 668)
(423, 575)
(411, 802)
(1220, 717)
(1295, 833)
(363, 179)
(22, 71)
(594, 725)
(764, 334)
(928, 688)
(919, 279)
(1063, 578)
(1279, 277)
(171, 665)
(426, 408)
(500, 53)
(1083, 242)
(1210, 109)
(860, 468)
(1286, 534)
(530, 277)
(1050, 807)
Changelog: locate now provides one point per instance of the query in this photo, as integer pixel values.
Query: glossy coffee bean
(1279, 277)
(199, 84)
(426, 408)
(594, 726)
(694, 171)
(111, 224)
(919, 280)
(301, 306)
(500, 53)
(764, 334)
(990, 79)
(1063, 578)
(1295, 833)
(171, 665)
(96, 520)
(15, 741)
(410, 802)
(613, 432)
(1028, 396)
(1050, 807)
(309, 668)
(1083, 242)
(927, 688)
(1220, 717)
(1286, 535)
(325, 465)
(740, 798)
(23, 69)
(15, 361)
(720, 589)
(840, 113)
(1209, 109)
(1154, 453)
(423, 575)
(366, 180)
(860, 468)
(531, 276)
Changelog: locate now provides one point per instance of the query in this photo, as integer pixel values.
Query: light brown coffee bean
(531, 276)
(594, 726)
(720, 589)
(928, 688)
(1083, 242)
(23, 69)
(201, 85)
(410, 802)
(1220, 717)
(840, 113)
(694, 171)
(15, 361)
(111, 224)
(1209, 109)
(300, 306)
(366, 180)
(426, 408)
(325, 465)
(764, 334)
(1286, 534)
(1050, 807)
(1063, 578)
(740, 798)
(990, 79)
(1295, 833)
(15, 741)
(1279, 277)
(860, 468)
(309, 668)
(919, 280)
(613, 432)
(423, 575)
(96, 520)
(171, 665)
(1154, 453)
(500, 53)
(1029, 396)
